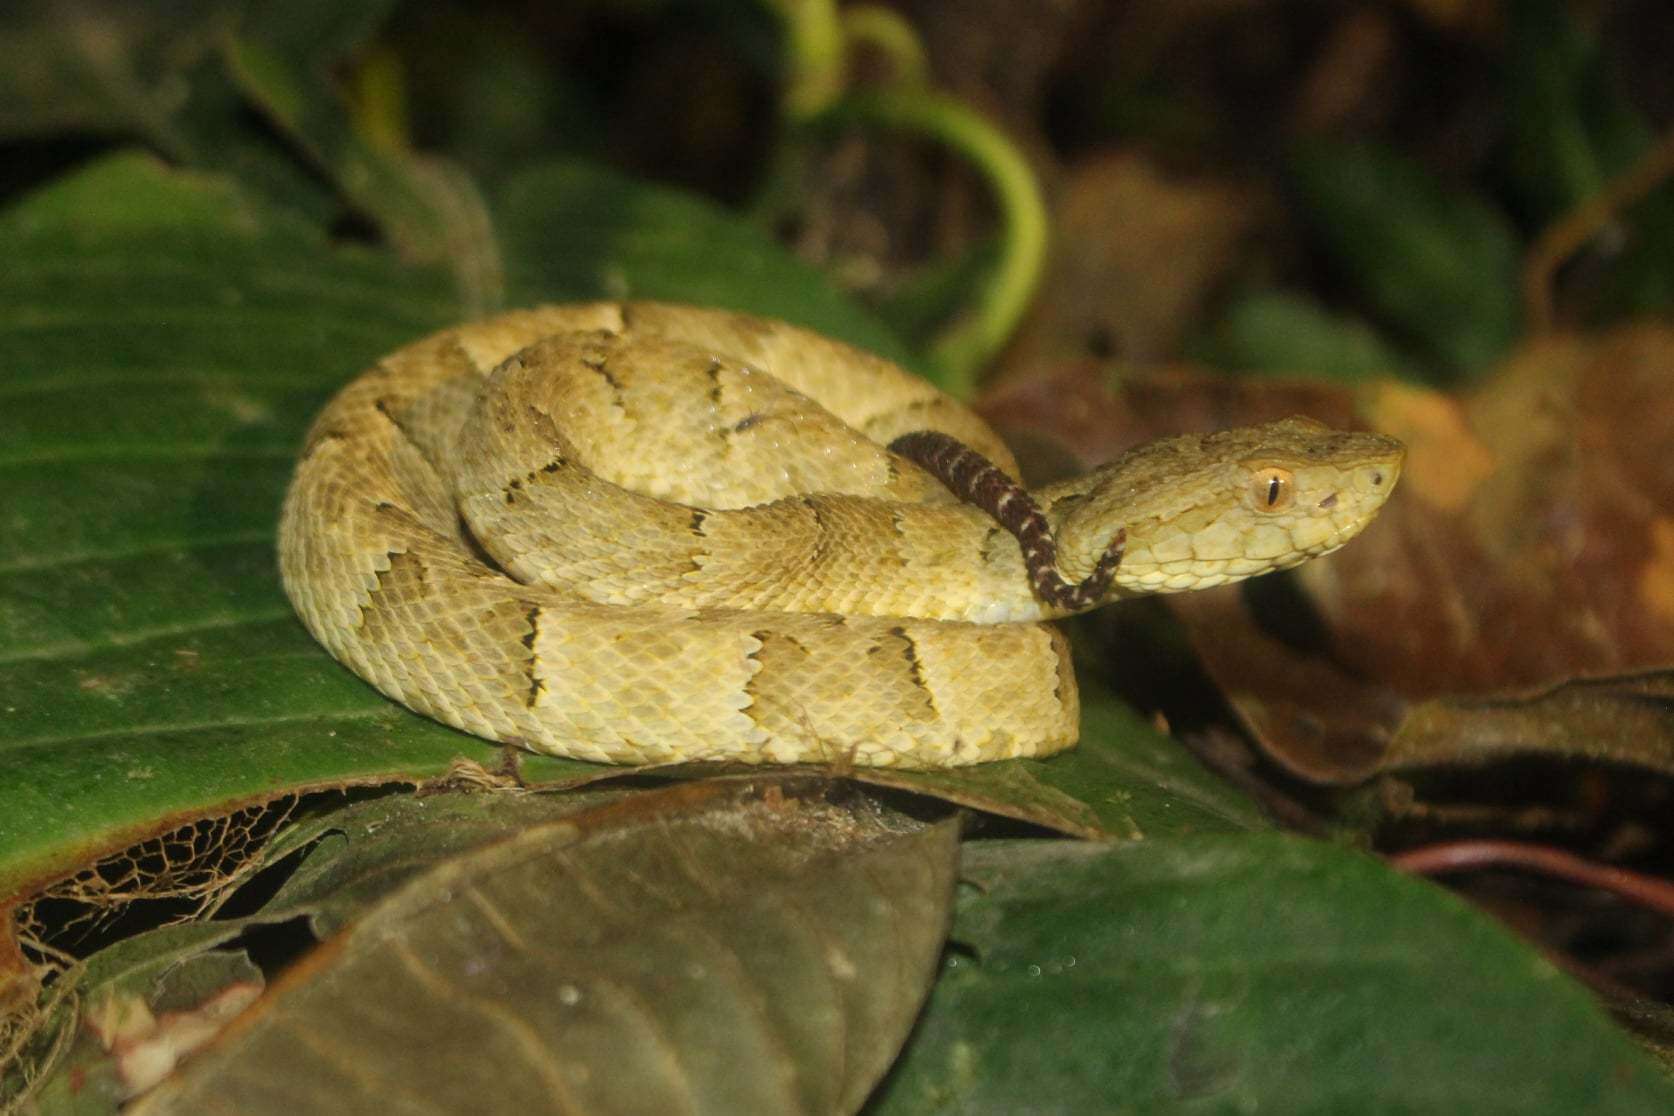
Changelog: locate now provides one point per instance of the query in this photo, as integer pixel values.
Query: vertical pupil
(1272, 491)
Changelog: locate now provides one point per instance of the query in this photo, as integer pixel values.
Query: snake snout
(1373, 478)
(1377, 478)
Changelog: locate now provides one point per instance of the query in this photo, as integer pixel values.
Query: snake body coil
(636, 533)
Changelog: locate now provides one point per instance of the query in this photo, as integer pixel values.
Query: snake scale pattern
(646, 533)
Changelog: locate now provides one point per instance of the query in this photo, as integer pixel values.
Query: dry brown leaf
(1626, 719)
(1135, 253)
(1070, 419)
(727, 946)
(1547, 566)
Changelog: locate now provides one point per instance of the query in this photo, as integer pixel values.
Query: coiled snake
(637, 532)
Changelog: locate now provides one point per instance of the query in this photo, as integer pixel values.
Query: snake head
(1202, 510)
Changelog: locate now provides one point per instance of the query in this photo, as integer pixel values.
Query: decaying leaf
(147, 1047)
(1136, 253)
(1625, 719)
(729, 946)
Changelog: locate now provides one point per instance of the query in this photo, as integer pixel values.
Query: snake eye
(1272, 489)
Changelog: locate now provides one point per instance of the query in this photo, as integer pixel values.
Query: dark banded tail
(978, 481)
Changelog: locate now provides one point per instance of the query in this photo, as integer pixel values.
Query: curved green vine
(816, 40)
(813, 52)
(969, 343)
(889, 33)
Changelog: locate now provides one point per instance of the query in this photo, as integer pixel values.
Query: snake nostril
(1329, 502)
(1377, 478)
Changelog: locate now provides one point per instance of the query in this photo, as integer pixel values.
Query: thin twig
(1462, 856)
(1564, 238)
(814, 54)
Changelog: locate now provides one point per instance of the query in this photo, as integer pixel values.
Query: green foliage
(165, 340)
(1438, 265)
(574, 230)
(1570, 133)
(1286, 334)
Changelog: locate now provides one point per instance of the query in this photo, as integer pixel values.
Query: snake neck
(984, 485)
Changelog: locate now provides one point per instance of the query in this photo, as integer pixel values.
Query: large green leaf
(1287, 334)
(1255, 974)
(1124, 780)
(163, 340)
(1569, 127)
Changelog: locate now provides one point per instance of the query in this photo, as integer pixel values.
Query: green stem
(813, 54)
(815, 40)
(967, 345)
(886, 31)
(378, 101)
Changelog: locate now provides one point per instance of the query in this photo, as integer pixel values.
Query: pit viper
(641, 533)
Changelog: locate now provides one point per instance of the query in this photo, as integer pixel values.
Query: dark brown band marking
(531, 478)
(530, 668)
(713, 371)
(392, 587)
(599, 363)
(823, 538)
(910, 650)
(320, 439)
(978, 481)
